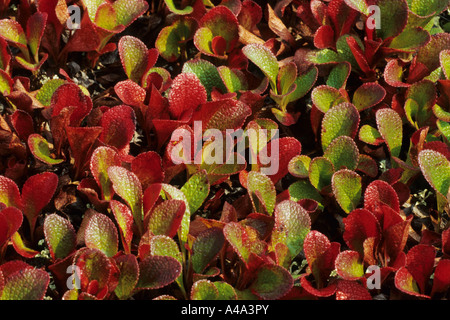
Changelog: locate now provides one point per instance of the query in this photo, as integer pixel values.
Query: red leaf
(318, 292)
(118, 126)
(23, 124)
(380, 192)
(278, 158)
(165, 219)
(147, 166)
(130, 93)
(351, 290)
(35, 196)
(420, 263)
(10, 221)
(9, 193)
(82, 142)
(70, 95)
(441, 281)
(186, 94)
(360, 225)
(324, 37)
(320, 254)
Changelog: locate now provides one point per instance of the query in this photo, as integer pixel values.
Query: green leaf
(173, 38)
(368, 95)
(207, 73)
(347, 189)
(59, 235)
(45, 93)
(101, 234)
(206, 247)
(196, 190)
(226, 291)
(392, 24)
(204, 290)
(320, 172)
(165, 218)
(134, 56)
(156, 272)
(102, 158)
(303, 189)
(40, 149)
(262, 192)
(304, 83)
(337, 78)
(436, 170)
(444, 57)
(272, 282)
(341, 120)
(25, 284)
(299, 166)
(173, 193)
(390, 127)
(264, 59)
(292, 224)
(349, 265)
(325, 97)
(233, 79)
(127, 185)
(171, 6)
(343, 153)
(370, 135)
(129, 275)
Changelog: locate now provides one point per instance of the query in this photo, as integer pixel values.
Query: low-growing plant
(225, 150)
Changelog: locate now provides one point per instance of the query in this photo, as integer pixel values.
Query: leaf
(436, 170)
(35, 198)
(101, 234)
(6, 83)
(349, 265)
(244, 241)
(410, 39)
(221, 23)
(102, 158)
(360, 225)
(40, 149)
(9, 193)
(186, 95)
(207, 73)
(444, 58)
(12, 31)
(337, 78)
(118, 125)
(21, 248)
(35, 30)
(129, 275)
(341, 120)
(71, 95)
(292, 224)
(135, 57)
(392, 24)
(196, 190)
(233, 79)
(10, 222)
(171, 6)
(320, 254)
(394, 74)
(272, 282)
(128, 11)
(127, 185)
(204, 290)
(147, 166)
(347, 189)
(124, 218)
(165, 219)
(26, 283)
(390, 127)
(264, 59)
(380, 192)
(206, 247)
(351, 290)
(428, 55)
(325, 97)
(343, 153)
(299, 166)
(130, 93)
(368, 95)
(173, 193)
(172, 39)
(320, 173)
(262, 192)
(303, 189)
(370, 135)
(157, 272)
(59, 235)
